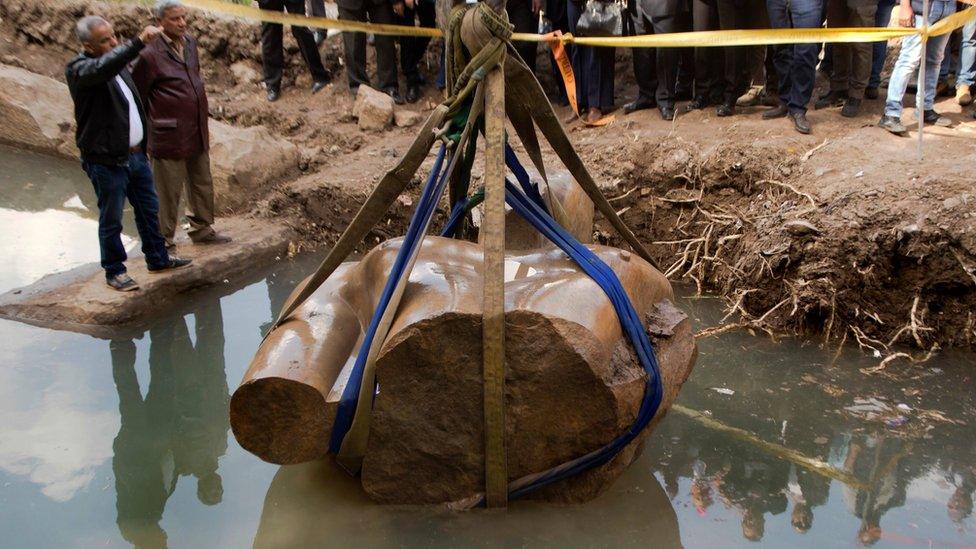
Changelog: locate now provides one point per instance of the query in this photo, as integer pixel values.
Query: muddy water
(126, 442)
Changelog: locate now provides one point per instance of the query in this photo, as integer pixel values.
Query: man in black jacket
(656, 69)
(111, 136)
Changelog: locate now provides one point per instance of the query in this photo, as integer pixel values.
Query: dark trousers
(113, 184)
(354, 44)
(413, 48)
(796, 64)
(656, 69)
(271, 49)
(593, 68)
(317, 8)
(852, 62)
(720, 73)
(880, 49)
(556, 12)
(520, 16)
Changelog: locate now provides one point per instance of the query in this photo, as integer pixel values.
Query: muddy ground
(843, 235)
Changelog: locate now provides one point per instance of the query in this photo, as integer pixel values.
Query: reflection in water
(178, 429)
(316, 505)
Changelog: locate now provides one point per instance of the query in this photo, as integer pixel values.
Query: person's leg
(838, 16)
(862, 13)
(644, 62)
(354, 48)
(409, 56)
(306, 44)
(603, 82)
(556, 10)
(520, 16)
(271, 53)
(200, 196)
(381, 12)
(667, 64)
(145, 206)
(170, 176)
(109, 183)
(967, 56)
(905, 67)
(879, 53)
(935, 52)
(779, 18)
(734, 75)
(708, 81)
(805, 14)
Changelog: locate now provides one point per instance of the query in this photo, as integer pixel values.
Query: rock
(244, 73)
(245, 160)
(37, 112)
(373, 108)
(405, 119)
(800, 227)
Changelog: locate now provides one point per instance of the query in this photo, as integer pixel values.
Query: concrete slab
(79, 300)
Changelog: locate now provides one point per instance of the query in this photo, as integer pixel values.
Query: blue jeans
(967, 56)
(910, 57)
(113, 184)
(796, 64)
(880, 52)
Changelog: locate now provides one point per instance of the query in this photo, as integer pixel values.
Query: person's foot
(319, 86)
(697, 103)
(851, 108)
(273, 94)
(964, 95)
(395, 94)
(800, 122)
(638, 105)
(593, 115)
(750, 98)
(871, 93)
(725, 109)
(174, 263)
(893, 125)
(667, 113)
(213, 238)
(933, 118)
(122, 283)
(413, 94)
(830, 99)
(779, 111)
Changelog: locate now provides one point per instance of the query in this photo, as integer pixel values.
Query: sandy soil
(844, 234)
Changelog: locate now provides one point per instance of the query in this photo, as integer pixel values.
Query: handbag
(601, 18)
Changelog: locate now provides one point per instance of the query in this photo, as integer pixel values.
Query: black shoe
(638, 105)
(830, 99)
(697, 104)
(871, 93)
(851, 108)
(893, 125)
(413, 94)
(122, 283)
(395, 94)
(933, 118)
(725, 109)
(174, 263)
(776, 112)
(667, 113)
(800, 122)
(273, 95)
(319, 86)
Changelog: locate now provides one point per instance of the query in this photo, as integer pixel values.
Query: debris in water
(723, 390)
(896, 421)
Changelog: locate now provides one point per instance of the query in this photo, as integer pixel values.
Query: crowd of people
(143, 135)
(781, 77)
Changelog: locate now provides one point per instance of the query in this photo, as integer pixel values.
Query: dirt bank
(842, 234)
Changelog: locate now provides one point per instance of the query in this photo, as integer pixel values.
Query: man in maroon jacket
(167, 75)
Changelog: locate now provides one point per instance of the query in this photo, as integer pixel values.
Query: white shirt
(136, 131)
